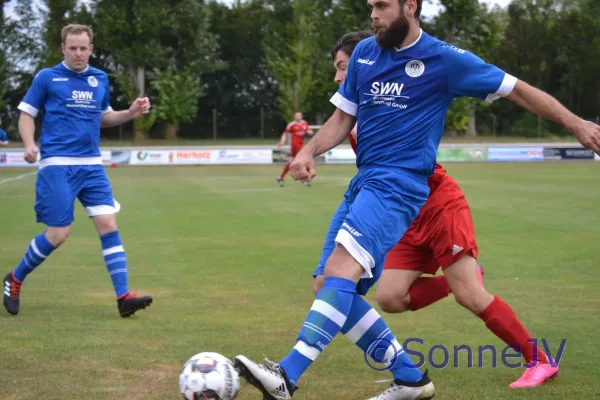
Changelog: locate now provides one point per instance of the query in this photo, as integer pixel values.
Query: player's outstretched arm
(139, 107)
(546, 106)
(332, 133)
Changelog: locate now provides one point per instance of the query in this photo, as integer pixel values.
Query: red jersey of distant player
(298, 131)
(442, 233)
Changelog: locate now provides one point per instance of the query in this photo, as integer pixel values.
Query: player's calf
(465, 280)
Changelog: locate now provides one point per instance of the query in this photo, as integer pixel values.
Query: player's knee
(105, 224)
(341, 264)
(58, 236)
(318, 284)
(391, 302)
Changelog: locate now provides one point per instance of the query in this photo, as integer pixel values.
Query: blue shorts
(378, 208)
(57, 187)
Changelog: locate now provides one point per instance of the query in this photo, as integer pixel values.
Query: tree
(473, 27)
(296, 50)
(142, 35)
(178, 92)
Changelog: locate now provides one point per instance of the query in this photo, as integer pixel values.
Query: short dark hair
(419, 7)
(349, 41)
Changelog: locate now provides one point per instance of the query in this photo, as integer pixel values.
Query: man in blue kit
(75, 99)
(398, 86)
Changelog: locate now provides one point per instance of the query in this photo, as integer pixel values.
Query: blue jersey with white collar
(401, 96)
(73, 104)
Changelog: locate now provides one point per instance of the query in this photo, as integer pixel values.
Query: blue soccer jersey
(401, 96)
(72, 104)
(3, 137)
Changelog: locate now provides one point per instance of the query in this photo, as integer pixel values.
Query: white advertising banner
(193, 157)
(151, 157)
(340, 155)
(15, 159)
(244, 157)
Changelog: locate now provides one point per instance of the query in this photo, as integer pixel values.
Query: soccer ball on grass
(209, 376)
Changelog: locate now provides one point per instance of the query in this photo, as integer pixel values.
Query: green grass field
(228, 257)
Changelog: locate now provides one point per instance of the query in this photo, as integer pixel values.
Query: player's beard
(395, 34)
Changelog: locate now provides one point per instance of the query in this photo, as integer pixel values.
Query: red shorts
(442, 233)
(294, 150)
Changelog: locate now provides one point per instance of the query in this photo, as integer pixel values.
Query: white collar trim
(67, 67)
(412, 44)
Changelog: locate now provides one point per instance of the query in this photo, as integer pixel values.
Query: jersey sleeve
(346, 98)
(468, 75)
(106, 99)
(35, 97)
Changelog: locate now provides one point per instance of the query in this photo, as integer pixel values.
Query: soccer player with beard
(399, 86)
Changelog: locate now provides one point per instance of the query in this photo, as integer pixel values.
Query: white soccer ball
(209, 376)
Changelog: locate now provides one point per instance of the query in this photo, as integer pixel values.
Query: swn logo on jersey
(387, 93)
(82, 95)
(387, 88)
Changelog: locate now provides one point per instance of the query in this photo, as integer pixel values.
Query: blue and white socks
(116, 262)
(39, 249)
(325, 320)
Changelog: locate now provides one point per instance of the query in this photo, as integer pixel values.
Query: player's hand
(588, 134)
(31, 154)
(140, 106)
(303, 167)
(279, 144)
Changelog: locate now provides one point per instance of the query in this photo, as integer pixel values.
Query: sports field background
(228, 257)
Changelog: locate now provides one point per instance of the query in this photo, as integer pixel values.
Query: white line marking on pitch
(16, 178)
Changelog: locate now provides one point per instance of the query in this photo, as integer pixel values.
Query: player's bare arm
(282, 139)
(546, 106)
(27, 133)
(333, 132)
(140, 106)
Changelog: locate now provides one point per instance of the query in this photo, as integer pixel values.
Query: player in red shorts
(298, 129)
(443, 236)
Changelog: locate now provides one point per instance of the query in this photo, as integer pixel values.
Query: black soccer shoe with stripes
(130, 303)
(12, 293)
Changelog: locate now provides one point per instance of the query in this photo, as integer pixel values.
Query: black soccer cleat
(130, 303)
(12, 292)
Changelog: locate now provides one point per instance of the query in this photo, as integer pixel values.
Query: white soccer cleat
(422, 390)
(269, 378)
